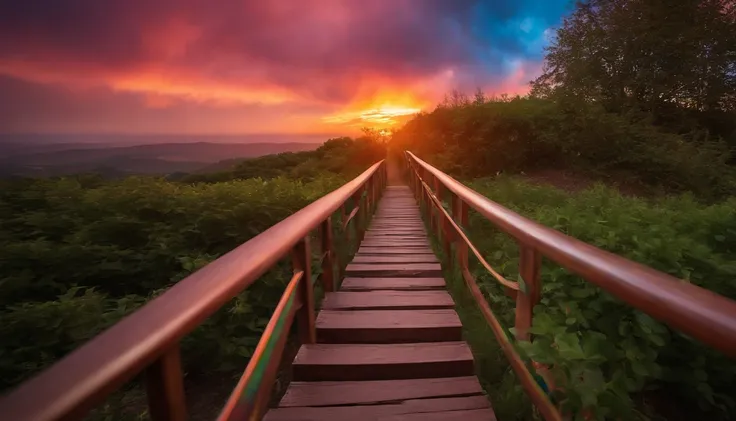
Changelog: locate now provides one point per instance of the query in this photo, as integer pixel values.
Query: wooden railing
(695, 311)
(148, 340)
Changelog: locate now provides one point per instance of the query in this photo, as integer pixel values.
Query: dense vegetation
(640, 90)
(604, 354)
(78, 253)
(343, 156)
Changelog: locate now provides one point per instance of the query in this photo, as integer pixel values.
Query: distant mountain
(163, 158)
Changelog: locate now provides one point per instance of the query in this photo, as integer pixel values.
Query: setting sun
(380, 117)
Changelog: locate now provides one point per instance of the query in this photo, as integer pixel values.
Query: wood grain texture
(377, 412)
(377, 391)
(397, 270)
(388, 326)
(389, 343)
(372, 284)
(345, 362)
(387, 300)
(394, 250)
(401, 258)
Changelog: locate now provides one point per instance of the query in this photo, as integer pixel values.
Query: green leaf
(581, 292)
(639, 368)
(569, 347)
(522, 284)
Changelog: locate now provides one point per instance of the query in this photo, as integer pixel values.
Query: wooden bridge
(387, 343)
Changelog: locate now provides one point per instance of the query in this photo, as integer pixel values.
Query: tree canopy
(672, 59)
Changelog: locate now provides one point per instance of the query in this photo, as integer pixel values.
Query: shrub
(606, 355)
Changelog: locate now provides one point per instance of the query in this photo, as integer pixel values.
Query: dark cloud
(327, 51)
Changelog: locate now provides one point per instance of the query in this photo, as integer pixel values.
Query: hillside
(139, 159)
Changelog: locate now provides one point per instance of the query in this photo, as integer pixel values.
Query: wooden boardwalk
(389, 342)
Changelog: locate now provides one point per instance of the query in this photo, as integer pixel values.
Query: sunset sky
(257, 66)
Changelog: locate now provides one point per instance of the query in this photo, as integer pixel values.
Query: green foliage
(343, 155)
(605, 355)
(484, 137)
(79, 253)
(672, 60)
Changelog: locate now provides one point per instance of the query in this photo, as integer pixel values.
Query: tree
(673, 59)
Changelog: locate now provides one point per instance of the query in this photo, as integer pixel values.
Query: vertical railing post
(302, 261)
(328, 261)
(368, 196)
(438, 194)
(358, 199)
(530, 262)
(448, 236)
(430, 203)
(460, 214)
(165, 387)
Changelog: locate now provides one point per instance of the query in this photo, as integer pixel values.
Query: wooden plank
(377, 391)
(384, 300)
(394, 250)
(373, 412)
(469, 415)
(397, 284)
(388, 326)
(395, 243)
(400, 258)
(395, 233)
(394, 270)
(346, 362)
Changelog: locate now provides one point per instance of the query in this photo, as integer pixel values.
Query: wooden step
(394, 243)
(395, 258)
(394, 270)
(397, 284)
(394, 250)
(393, 234)
(388, 326)
(387, 300)
(401, 410)
(346, 362)
(301, 394)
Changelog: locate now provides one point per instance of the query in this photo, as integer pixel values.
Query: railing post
(440, 220)
(530, 262)
(460, 214)
(302, 261)
(328, 261)
(165, 387)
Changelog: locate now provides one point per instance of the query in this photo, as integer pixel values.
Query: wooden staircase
(389, 343)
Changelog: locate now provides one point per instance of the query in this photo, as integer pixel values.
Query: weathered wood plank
(394, 244)
(348, 362)
(400, 258)
(388, 326)
(372, 284)
(394, 250)
(377, 391)
(384, 300)
(374, 412)
(394, 270)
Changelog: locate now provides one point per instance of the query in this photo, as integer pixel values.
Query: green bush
(606, 355)
(76, 256)
(485, 137)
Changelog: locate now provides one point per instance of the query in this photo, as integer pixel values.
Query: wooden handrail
(148, 339)
(702, 314)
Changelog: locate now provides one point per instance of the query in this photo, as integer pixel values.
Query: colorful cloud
(256, 66)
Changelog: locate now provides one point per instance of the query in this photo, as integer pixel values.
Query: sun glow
(376, 117)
